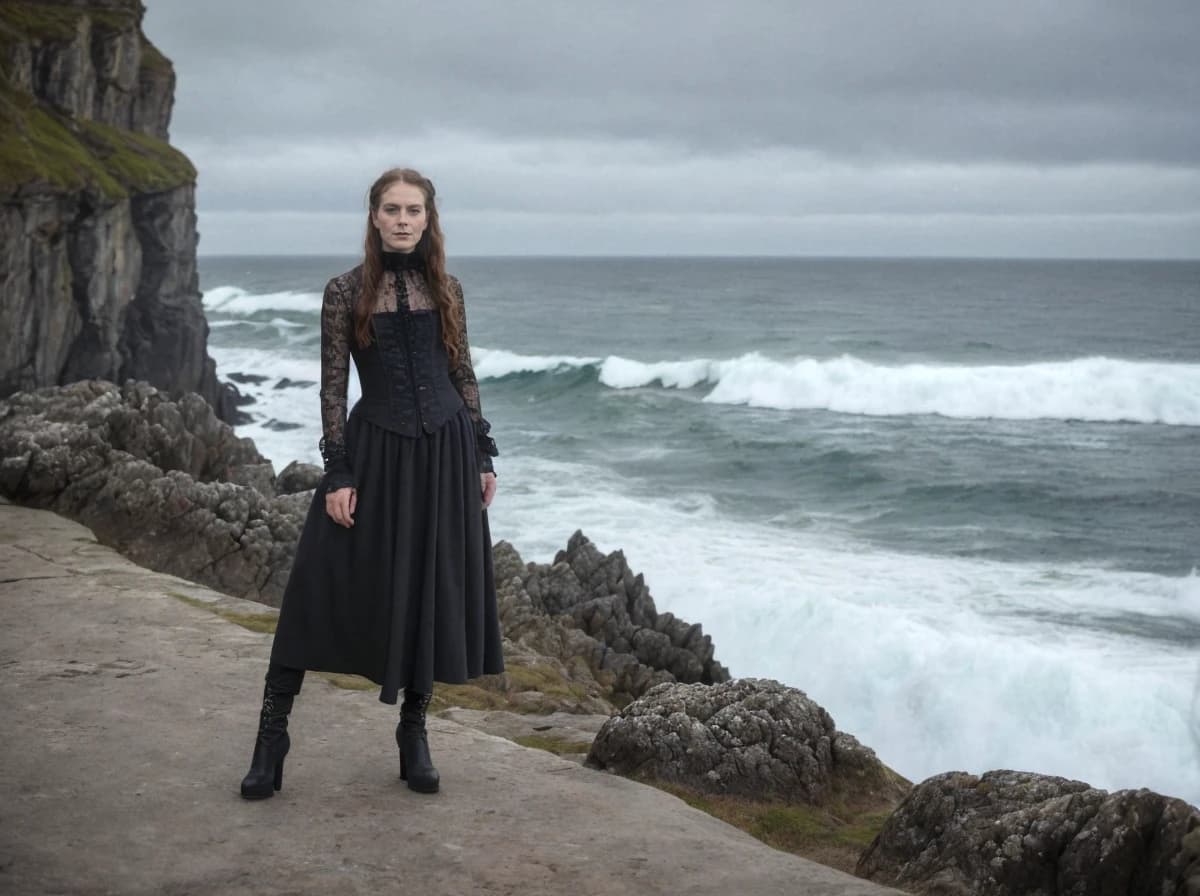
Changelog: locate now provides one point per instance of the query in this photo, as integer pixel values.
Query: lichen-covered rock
(749, 737)
(152, 478)
(137, 418)
(1008, 832)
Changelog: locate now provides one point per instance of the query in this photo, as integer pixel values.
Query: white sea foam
(1091, 389)
(273, 406)
(235, 300)
(937, 663)
(495, 363)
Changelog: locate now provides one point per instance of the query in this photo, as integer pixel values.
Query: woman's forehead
(403, 194)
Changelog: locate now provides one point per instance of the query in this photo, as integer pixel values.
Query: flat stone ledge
(134, 715)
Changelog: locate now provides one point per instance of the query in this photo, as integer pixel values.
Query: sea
(956, 502)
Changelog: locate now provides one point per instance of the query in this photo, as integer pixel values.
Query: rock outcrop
(97, 211)
(153, 478)
(612, 604)
(754, 738)
(1008, 832)
(173, 488)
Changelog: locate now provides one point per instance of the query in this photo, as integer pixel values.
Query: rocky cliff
(97, 211)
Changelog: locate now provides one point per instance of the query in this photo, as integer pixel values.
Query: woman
(393, 572)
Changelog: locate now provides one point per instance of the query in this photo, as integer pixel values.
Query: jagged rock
(146, 475)
(609, 602)
(173, 487)
(97, 211)
(749, 737)
(298, 477)
(1008, 832)
(136, 418)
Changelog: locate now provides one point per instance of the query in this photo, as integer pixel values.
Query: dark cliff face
(97, 211)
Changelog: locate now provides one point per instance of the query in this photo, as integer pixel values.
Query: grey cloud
(1020, 81)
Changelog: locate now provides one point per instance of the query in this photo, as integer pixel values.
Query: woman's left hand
(487, 483)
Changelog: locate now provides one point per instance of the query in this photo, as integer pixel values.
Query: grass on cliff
(39, 144)
(835, 834)
(48, 22)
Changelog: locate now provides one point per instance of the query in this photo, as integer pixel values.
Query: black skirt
(406, 596)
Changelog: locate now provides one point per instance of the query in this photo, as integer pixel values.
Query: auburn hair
(432, 250)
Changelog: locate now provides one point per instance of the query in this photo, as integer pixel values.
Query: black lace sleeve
(463, 375)
(337, 328)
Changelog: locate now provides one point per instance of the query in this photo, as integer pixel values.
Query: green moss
(554, 745)
(545, 679)
(467, 696)
(139, 162)
(152, 59)
(348, 682)
(40, 21)
(38, 145)
(256, 622)
(833, 834)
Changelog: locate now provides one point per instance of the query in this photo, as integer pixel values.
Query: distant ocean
(956, 502)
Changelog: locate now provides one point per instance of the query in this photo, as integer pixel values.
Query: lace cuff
(486, 445)
(337, 466)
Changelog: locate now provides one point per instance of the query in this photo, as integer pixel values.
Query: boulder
(748, 737)
(1009, 832)
(298, 477)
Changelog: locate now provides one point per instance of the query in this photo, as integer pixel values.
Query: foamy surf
(1087, 389)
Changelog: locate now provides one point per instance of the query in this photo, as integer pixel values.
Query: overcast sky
(924, 127)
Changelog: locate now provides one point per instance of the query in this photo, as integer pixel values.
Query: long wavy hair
(432, 250)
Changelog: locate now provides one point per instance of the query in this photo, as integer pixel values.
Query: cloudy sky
(772, 127)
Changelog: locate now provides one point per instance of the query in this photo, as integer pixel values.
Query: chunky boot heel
(411, 737)
(270, 748)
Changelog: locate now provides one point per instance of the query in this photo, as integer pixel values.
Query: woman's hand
(487, 483)
(340, 505)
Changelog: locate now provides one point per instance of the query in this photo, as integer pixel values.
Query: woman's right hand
(340, 505)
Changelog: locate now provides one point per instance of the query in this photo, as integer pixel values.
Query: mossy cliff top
(43, 145)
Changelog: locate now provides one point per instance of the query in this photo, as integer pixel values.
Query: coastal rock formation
(172, 487)
(609, 602)
(154, 478)
(97, 211)
(1008, 832)
(749, 737)
(298, 477)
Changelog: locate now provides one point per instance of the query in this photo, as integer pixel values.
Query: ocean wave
(1093, 389)
(237, 301)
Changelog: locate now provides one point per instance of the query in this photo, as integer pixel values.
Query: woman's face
(401, 217)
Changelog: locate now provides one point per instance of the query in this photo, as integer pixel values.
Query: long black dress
(405, 596)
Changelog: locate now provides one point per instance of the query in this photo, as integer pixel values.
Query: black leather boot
(415, 765)
(270, 747)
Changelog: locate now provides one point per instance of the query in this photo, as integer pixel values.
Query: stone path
(129, 716)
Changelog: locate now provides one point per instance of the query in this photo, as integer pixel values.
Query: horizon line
(748, 257)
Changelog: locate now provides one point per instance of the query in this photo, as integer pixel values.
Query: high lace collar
(403, 261)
